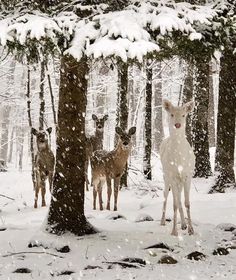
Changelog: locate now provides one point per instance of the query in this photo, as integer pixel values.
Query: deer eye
(183, 116)
(172, 115)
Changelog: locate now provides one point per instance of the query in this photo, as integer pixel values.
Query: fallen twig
(21, 253)
(7, 197)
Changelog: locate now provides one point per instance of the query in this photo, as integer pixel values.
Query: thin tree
(51, 95)
(211, 110)
(148, 123)
(158, 132)
(28, 98)
(41, 96)
(187, 96)
(122, 107)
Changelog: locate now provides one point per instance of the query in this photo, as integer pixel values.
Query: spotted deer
(178, 162)
(94, 142)
(107, 166)
(43, 164)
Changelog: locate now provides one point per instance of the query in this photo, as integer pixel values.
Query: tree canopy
(134, 30)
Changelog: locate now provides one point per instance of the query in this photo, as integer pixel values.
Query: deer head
(99, 122)
(124, 137)
(41, 137)
(177, 115)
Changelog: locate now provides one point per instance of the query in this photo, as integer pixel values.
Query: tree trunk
(148, 124)
(51, 96)
(41, 96)
(122, 119)
(211, 117)
(66, 212)
(4, 133)
(158, 132)
(224, 161)
(200, 120)
(30, 126)
(187, 96)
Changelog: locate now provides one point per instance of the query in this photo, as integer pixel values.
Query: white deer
(178, 162)
(110, 165)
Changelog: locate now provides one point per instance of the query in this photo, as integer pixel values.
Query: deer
(94, 142)
(110, 165)
(178, 163)
(43, 164)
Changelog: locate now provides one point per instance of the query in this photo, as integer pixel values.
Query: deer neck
(99, 134)
(120, 154)
(43, 149)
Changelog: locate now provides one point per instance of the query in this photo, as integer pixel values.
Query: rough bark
(211, 117)
(200, 119)
(41, 96)
(148, 125)
(158, 132)
(187, 96)
(66, 212)
(28, 97)
(225, 146)
(122, 115)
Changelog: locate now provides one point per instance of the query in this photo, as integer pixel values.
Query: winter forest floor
(127, 236)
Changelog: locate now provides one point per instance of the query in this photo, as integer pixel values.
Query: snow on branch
(128, 34)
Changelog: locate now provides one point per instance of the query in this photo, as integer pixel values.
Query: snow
(118, 238)
(124, 34)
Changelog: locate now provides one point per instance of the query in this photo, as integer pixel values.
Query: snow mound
(226, 227)
(143, 218)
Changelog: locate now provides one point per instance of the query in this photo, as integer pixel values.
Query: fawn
(94, 142)
(178, 162)
(110, 165)
(43, 164)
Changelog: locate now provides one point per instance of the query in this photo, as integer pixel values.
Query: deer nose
(99, 126)
(177, 125)
(126, 143)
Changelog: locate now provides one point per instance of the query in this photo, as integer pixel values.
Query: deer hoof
(190, 231)
(108, 207)
(43, 204)
(183, 226)
(101, 208)
(163, 222)
(174, 233)
(115, 208)
(35, 205)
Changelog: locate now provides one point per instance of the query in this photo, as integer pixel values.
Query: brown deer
(110, 165)
(43, 164)
(94, 142)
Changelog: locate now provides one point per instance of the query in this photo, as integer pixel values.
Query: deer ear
(34, 131)
(105, 117)
(49, 130)
(167, 105)
(189, 106)
(119, 130)
(132, 130)
(94, 117)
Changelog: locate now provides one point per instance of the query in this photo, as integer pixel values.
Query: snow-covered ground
(118, 238)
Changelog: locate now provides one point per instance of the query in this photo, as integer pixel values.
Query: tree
(122, 107)
(66, 212)
(148, 123)
(200, 118)
(225, 146)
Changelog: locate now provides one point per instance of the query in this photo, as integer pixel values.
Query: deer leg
(50, 180)
(175, 207)
(100, 195)
(109, 190)
(187, 205)
(36, 195)
(183, 223)
(37, 188)
(94, 196)
(86, 174)
(166, 192)
(116, 190)
(43, 192)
